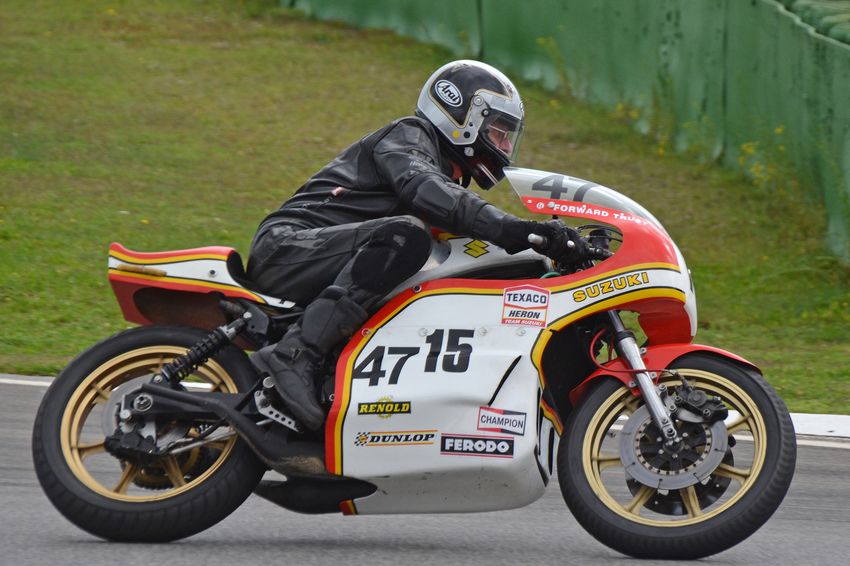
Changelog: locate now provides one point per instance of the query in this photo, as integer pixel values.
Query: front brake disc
(648, 461)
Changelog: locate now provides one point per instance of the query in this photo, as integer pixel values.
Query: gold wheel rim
(95, 389)
(596, 459)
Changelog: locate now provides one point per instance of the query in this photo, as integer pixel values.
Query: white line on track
(799, 419)
(31, 382)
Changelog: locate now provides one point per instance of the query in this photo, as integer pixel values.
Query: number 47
(455, 359)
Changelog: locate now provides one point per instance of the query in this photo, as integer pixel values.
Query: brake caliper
(694, 406)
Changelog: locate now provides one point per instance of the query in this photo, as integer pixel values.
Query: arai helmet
(479, 114)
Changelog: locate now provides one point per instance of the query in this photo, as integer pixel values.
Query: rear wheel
(707, 494)
(154, 499)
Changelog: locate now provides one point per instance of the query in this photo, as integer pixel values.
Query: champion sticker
(491, 419)
(448, 93)
(525, 305)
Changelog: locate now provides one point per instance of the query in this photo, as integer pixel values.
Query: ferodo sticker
(611, 285)
(525, 305)
(500, 420)
(466, 445)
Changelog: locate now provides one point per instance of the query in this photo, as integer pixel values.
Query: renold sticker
(525, 305)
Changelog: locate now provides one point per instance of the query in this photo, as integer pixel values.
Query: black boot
(294, 368)
(295, 363)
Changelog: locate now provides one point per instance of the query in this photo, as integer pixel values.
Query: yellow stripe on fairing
(553, 418)
(612, 273)
(195, 282)
(172, 259)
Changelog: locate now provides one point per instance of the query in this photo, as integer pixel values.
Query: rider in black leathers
(355, 229)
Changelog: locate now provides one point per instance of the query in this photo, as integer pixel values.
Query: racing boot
(293, 367)
(295, 363)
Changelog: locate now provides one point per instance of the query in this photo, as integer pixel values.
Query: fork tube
(627, 348)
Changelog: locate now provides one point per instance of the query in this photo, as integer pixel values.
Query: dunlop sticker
(395, 438)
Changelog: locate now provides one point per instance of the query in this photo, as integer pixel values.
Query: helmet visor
(503, 133)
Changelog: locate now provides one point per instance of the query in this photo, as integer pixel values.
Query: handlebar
(592, 252)
(538, 240)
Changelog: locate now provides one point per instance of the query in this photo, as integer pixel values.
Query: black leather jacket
(398, 170)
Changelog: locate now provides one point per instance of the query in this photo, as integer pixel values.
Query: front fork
(628, 349)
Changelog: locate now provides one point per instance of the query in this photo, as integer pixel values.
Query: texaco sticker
(525, 305)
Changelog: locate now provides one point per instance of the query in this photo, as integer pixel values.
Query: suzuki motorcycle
(476, 380)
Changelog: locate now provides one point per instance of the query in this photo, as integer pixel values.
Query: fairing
(462, 338)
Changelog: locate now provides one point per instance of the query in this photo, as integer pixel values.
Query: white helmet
(479, 113)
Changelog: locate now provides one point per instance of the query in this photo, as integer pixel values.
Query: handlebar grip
(537, 240)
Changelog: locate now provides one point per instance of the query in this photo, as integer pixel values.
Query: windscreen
(542, 184)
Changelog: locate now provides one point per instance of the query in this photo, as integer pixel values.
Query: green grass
(166, 125)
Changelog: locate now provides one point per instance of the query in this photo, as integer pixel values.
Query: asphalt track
(811, 527)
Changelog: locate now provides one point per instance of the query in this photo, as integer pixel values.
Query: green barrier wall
(745, 81)
(450, 23)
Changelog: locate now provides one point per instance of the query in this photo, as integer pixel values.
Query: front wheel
(153, 499)
(707, 494)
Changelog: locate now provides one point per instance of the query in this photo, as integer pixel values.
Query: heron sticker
(525, 305)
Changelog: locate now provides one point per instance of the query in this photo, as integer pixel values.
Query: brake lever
(598, 253)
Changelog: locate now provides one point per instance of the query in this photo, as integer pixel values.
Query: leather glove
(563, 244)
(513, 234)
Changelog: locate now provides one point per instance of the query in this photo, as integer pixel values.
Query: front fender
(655, 358)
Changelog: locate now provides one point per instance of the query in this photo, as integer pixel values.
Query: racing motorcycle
(479, 378)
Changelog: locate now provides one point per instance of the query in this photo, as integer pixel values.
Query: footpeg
(265, 408)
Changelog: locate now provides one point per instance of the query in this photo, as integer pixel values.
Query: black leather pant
(366, 258)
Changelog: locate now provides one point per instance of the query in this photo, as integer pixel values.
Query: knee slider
(395, 252)
(400, 232)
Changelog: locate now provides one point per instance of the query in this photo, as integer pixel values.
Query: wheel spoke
(102, 394)
(741, 423)
(640, 498)
(740, 475)
(219, 445)
(127, 476)
(172, 470)
(215, 383)
(90, 448)
(605, 461)
(689, 498)
(632, 405)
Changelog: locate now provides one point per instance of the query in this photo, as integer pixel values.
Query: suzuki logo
(476, 248)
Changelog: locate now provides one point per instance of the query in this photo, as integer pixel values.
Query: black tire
(75, 474)
(692, 524)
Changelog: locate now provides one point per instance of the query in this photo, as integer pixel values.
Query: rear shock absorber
(185, 365)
